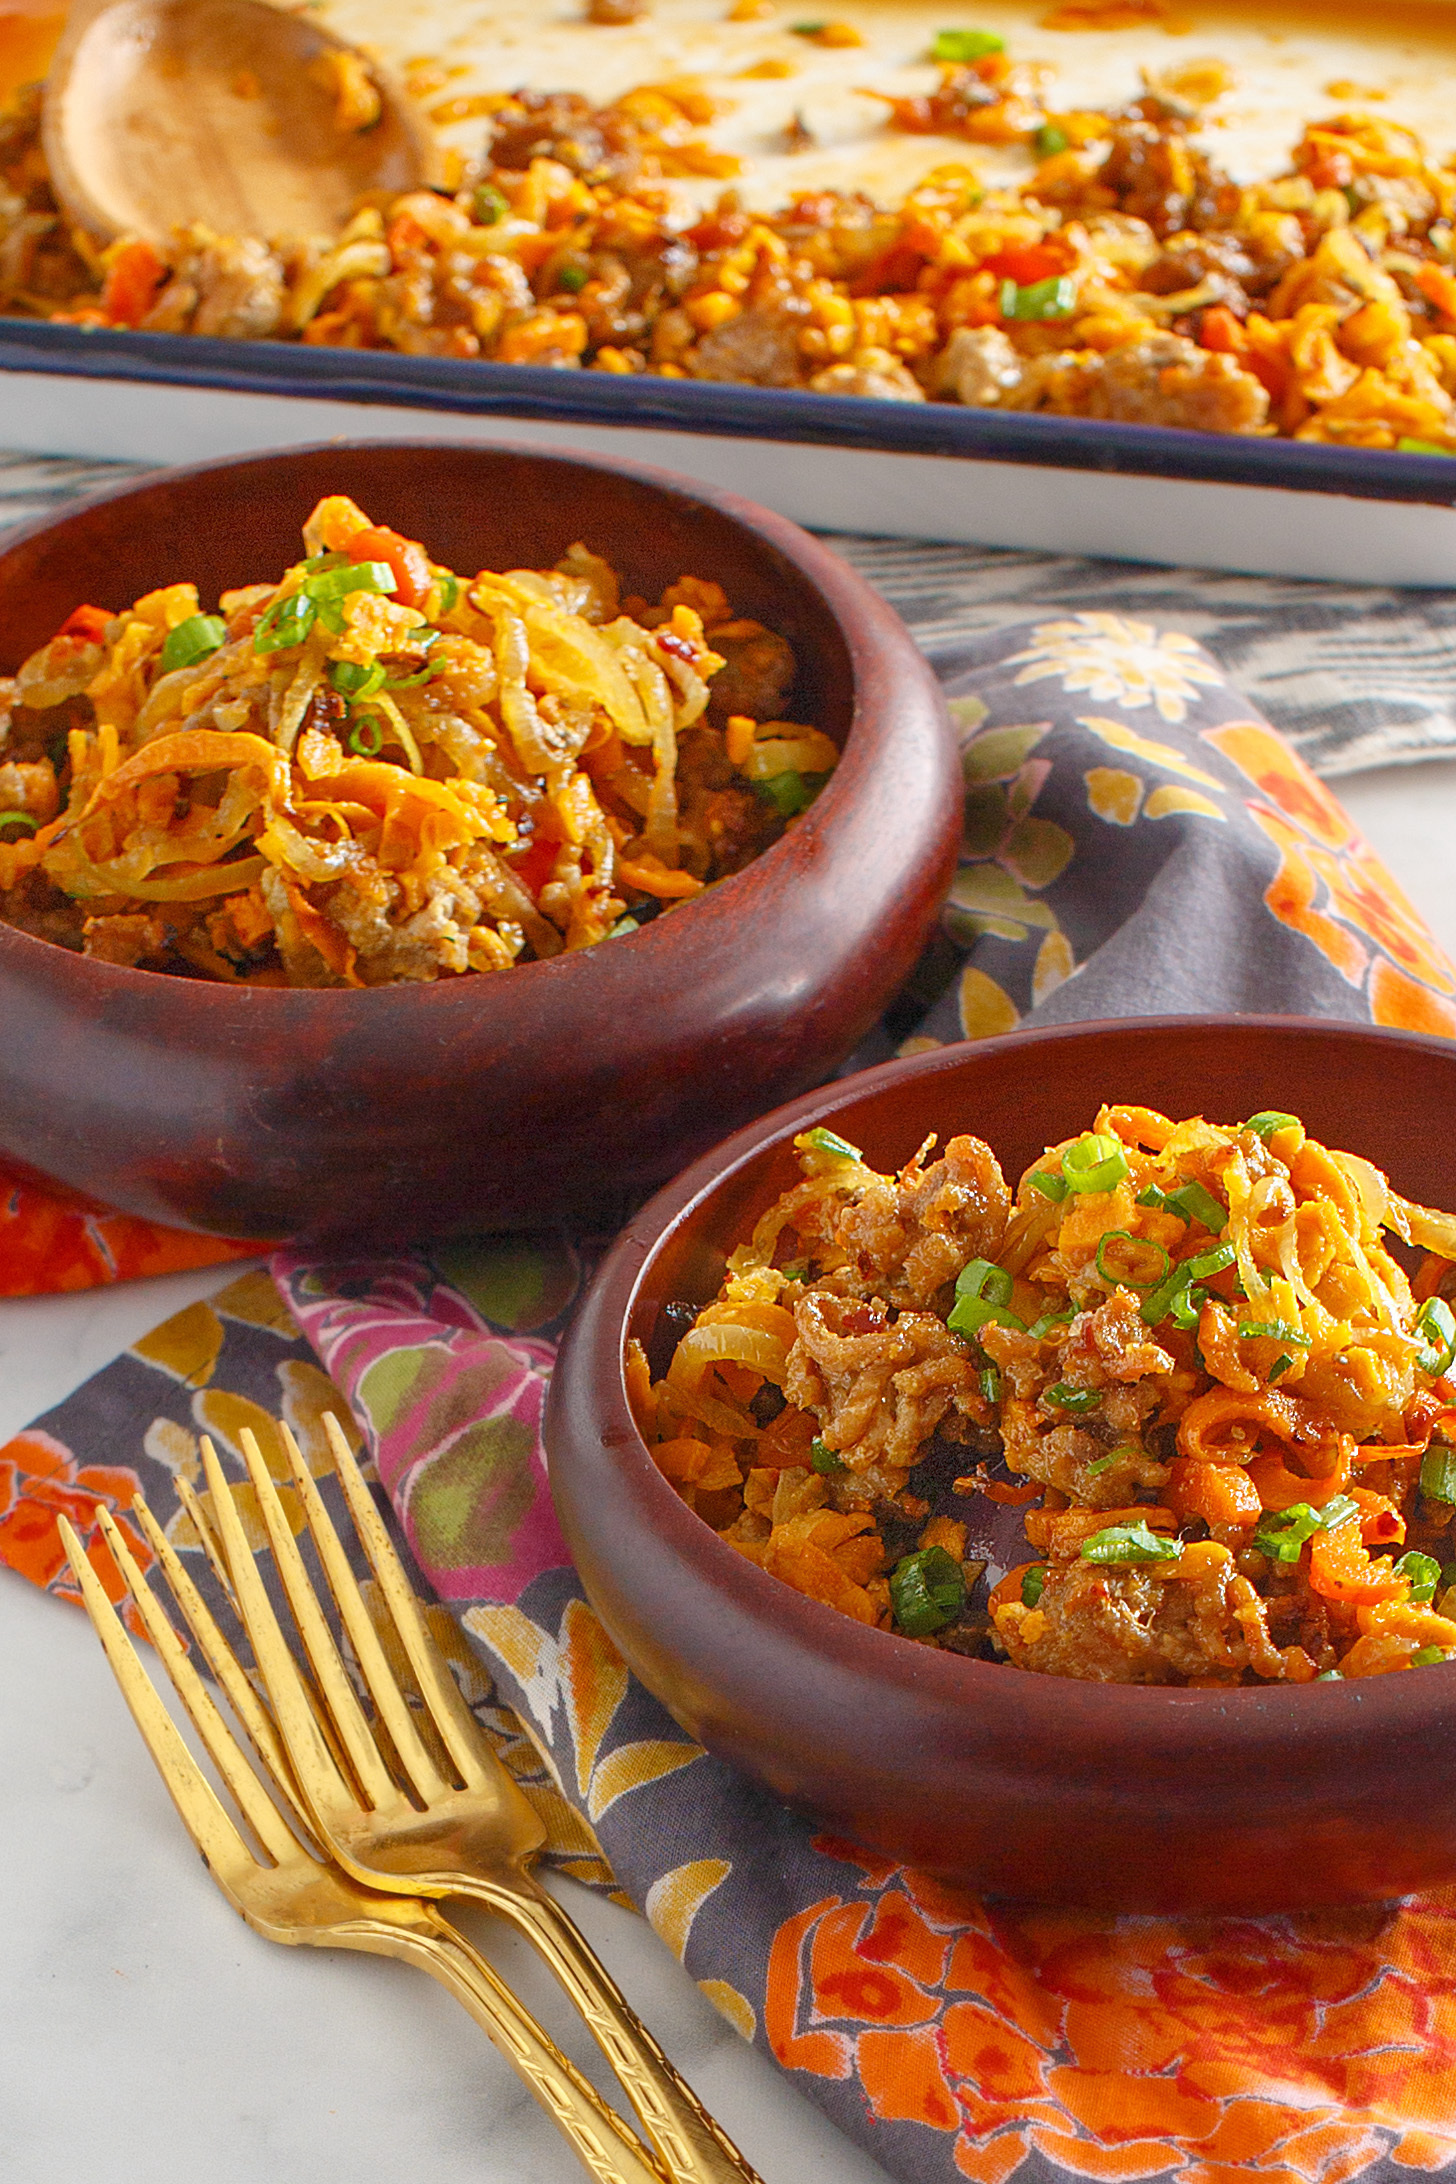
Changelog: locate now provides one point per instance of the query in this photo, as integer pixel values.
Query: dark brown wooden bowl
(552, 1090)
(1032, 1786)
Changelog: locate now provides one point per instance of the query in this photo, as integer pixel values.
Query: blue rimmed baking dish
(901, 469)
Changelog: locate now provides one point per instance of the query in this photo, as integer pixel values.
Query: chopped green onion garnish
(619, 931)
(366, 737)
(1140, 1274)
(991, 1384)
(287, 622)
(449, 589)
(488, 205)
(1331, 1675)
(195, 639)
(1103, 1463)
(368, 576)
(1280, 1367)
(1194, 1203)
(1407, 444)
(424, 674)
(1186, 1308)
(1050, 299)
(1152, 1196)
(825, 1459)
(1283, 1532)
(1051, 1186)
(18, 819)
(983, 1278)
(1068, 1398)
(969, 1314)
(1424, 1572)
(1438, 1328)
(326, 561)
(573, 278)
(1033, 1582)
(790, 793)
(1428, 1655)
(1042, 1328)
(1049, 140)
(1438, 1474)
(927, 1591)
(1130, 1544)
(354, 681)
(1169, 1296)
(1276, 1330)
(1268, 1120)
(965, 45)
(1094, 1163)
(820, 1140)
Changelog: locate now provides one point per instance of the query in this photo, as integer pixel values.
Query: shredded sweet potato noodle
(1189, 1344)
(376, 770)
(1125, 277)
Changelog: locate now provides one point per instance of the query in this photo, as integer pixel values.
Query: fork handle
(693, 2147)
(600, 2140)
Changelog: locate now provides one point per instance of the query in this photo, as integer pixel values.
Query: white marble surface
(145, 2032)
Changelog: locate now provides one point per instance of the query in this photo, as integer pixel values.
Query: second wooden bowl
(1123, 1797)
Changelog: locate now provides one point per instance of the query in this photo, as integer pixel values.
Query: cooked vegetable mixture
(1127, 278)
(1185, 1349)
(378, 770)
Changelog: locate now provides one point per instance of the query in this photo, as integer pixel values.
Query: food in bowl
(1123, 275)
(374, 770)
(1189, 1344)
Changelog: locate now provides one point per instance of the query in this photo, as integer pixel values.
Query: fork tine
(218, 1654)
(206, 1531)
(457, 1726)
(373, 1662)
(340, 1705)
(224, 1850)
(223, 1749)
(313, 1764)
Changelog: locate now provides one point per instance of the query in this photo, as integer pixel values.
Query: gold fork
(288, 1895)
(465, 1832)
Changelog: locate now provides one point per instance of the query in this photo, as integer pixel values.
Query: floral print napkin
(1136, 840)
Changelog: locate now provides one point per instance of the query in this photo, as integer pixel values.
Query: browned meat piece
(757, 674)
(877, 374)
(31, 789)
(1167, 380)
(1154, 173)
(978, 365)
(134, 938)
(1160, 1624)
(1190, 258)
(557, 125)
(230, 286)
(908, 1235)
(759, 348)
(1114, 1343)
(879, 1389)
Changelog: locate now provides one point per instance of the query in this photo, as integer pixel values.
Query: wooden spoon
(229, 112)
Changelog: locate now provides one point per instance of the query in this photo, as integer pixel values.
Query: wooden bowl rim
(867, 624)
(1142, 1717)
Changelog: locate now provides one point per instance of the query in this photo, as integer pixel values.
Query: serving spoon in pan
(234, 113)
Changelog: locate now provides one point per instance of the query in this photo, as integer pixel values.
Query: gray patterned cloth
(1354, 677)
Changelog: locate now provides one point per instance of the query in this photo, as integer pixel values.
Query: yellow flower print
(1119, 662)
(1113, 794)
